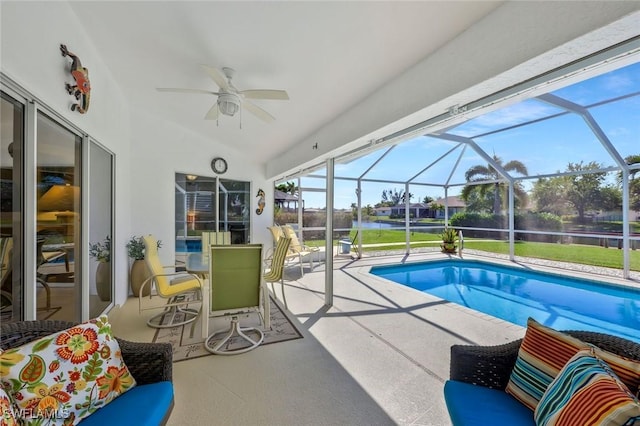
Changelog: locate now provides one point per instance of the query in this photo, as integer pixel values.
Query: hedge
(526, 221)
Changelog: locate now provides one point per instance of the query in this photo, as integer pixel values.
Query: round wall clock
(219, 165)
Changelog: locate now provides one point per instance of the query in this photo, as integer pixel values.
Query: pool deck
(395, 340)
(379, 355)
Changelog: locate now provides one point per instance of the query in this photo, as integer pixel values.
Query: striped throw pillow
(545, 351)
(587, 392)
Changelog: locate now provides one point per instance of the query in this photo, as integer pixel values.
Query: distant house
(383, 211)
(415, 210)
(425, 210)
(285, 201)
(454, 205)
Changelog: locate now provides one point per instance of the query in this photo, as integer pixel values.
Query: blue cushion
(470, 405)
(143, 405)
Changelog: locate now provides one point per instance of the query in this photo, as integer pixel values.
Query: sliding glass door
(100, 227)
(11, 202)
(58, 190)
(56, 199)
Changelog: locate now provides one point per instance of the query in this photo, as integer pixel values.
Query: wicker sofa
(149, 363)
(479, 375)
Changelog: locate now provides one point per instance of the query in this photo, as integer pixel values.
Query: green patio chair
(236, 288)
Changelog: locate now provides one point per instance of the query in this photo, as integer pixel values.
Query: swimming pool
(513, 294)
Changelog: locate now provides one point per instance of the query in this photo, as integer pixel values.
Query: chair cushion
(471, 405)
(68, 375)
(544, 352)
(586, 391)
(144, 405)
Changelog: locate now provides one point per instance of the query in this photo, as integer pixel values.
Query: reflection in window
(58, 181)
(11, 295)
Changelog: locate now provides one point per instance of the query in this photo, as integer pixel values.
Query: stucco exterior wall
(148, 152)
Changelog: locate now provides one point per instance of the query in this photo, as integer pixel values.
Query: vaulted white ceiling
(328, 56)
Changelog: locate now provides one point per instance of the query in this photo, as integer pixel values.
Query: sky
(545, 147)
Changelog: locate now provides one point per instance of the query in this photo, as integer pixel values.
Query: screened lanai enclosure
(549, 169)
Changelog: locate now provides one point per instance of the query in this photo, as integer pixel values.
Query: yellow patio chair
(6, 279)
(275, 272)
(299, 248)
(174, 286)
(237, 288)
(292, 256)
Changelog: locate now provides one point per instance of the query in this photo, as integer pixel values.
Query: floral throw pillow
(7, 417)
(62, 378)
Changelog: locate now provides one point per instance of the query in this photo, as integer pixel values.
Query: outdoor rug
(186, 347)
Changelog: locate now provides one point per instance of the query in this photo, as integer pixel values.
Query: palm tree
(484, 191)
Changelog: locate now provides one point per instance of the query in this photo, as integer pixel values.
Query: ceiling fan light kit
(228, 103)
(231, 100)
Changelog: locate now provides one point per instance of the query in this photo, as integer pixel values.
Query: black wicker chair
(491, 366)
(148, 362)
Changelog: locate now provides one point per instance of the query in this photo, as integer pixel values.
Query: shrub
(526, 221)
(317, 219)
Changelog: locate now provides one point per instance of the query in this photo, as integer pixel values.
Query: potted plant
(449, 239)
(139, 271)
(101, 251)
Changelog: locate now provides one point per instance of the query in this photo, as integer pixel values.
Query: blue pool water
(188, 246)
(513, 294)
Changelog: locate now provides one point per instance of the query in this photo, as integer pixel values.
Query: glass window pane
(235, 205)
(195, 211)
(100, 225)
(58, 180)
(11, 261)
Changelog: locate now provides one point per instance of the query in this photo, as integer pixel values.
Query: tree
(583, 190)
(610, 198)
(393, 197)
(490, 194)
(437, 207)
(288, 188)
(427, 199)
(550, 195)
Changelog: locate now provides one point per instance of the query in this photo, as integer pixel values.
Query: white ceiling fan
(230, 99)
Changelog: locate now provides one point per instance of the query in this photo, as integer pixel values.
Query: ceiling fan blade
(213, 113)
(173, 90)
(258, 112)
(217, 76)
(265, 94)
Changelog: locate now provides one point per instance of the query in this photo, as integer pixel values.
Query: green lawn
(575, 253)
(383, 239)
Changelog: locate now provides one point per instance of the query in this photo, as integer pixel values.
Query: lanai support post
(512, 222)
(626, 231)
(359, 195)
(328, 243)
(407, 219)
